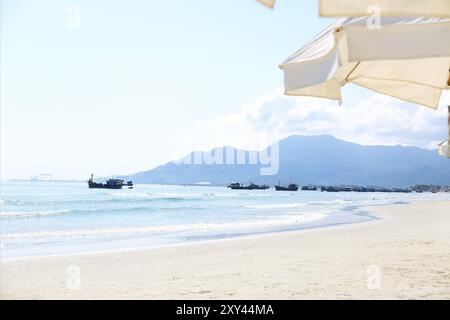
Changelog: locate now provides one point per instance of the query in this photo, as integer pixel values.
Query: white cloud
(378, 120)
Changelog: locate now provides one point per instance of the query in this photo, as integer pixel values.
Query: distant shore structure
(344, 188)
(364, 189)
(43, 177)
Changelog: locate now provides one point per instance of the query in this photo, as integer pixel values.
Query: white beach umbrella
(403, 57)
(391, 8)
(268, 3)
(387, 8)
(407, 58)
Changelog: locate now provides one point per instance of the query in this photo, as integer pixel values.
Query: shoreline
(360, 209)
(411, 247)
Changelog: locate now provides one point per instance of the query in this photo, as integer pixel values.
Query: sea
(54, 218)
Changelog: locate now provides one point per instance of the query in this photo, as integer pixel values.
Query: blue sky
(107, 97)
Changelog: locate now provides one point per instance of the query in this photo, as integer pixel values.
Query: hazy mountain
(313, 160)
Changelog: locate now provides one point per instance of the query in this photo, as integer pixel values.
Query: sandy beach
(403, 255)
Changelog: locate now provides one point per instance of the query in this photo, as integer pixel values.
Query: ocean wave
(125, 210)
(158, 196)
(199, 227)
(117, 199)
(51, 202)
(275, 206)
(29, 214)
(253, 195)
(112, 197)
(337, 201)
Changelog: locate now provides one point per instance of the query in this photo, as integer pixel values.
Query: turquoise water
(42, 218)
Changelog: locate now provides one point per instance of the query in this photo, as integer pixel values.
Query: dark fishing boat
(291, 187)
(110, 184)
(252, 186)
(329, 189)
(309, 188)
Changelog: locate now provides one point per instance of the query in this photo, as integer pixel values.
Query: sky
(117, 87)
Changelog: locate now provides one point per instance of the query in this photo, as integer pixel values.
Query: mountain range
(319, 160)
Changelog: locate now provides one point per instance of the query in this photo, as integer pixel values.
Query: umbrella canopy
(358, 8)
(268, 3)
(406, 57)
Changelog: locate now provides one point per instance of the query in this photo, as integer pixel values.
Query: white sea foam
(276, 206)
(188, 196)
(240, 194)
(2, 201)
(337, 201)
(29, 214)
(278, 221)
(156, 195)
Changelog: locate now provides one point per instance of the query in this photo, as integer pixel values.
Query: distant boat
(291, 187)
(309, 188)
(252, 186)
(110, 184)
(329, 189)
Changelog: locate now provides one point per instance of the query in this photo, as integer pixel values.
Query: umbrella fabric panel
(412, 92)
(358, 8)
(407, 58)
(432, 72)
(399, 41)
(326, 40)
